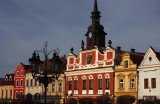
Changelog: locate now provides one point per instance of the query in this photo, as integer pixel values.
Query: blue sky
(26, 24)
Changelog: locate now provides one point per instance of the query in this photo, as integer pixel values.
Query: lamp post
(45, 71)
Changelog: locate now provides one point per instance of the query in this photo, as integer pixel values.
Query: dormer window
(89, 59)
(126, 64)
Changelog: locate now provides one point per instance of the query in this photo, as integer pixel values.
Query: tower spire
(95, 14)
(95, 5)
(95, 34)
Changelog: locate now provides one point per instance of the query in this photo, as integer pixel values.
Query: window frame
(60, 87)
(153, 82)
(121, 84)
(90, 84)
(70, 85)
(126, 63)
(132, 83)
(53, 87)
(88, 58)
(146, 83)
(75, 84)
(107, 83)
(21, 83)
(17, 83)
(100, 83)
(84, 84)
(16, 94)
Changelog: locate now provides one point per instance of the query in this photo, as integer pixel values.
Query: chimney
(119, 49)
(132, 50)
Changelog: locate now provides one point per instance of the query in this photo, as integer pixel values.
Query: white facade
(149, 69)
(32, 89)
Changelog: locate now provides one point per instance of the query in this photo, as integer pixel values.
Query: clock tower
(95, 35)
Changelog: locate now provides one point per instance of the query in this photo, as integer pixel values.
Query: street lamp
(45, 71)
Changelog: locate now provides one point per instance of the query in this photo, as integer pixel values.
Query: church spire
(95, 5)
(95, 14)
(95, 34)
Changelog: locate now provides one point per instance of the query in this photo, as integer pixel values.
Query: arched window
(107, 81)
(90, 77)
(75, 83)
(70, 83)
(99, 81)
(29, 96)
(84, 82)
(37, 96)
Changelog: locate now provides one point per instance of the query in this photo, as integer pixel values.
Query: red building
(19, 82)
(90, 76)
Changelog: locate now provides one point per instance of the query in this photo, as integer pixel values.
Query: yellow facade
(56, 91)
(126, 77)
(6, 91)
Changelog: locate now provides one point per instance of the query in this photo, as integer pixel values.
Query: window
(27, 82)
(89, 59)
(21, 95)
(90, 84)
(99, 83)
(2, 93)
(107, 83)
(31, 82)
(17, 73)
(21, 83)
(21, 72)
(120, 83)
(17, 83)
(35, 82)
(10, 93)
(84, 84)
(75, 84)
(146, 83)
(17, 95)
(132, 83)
(153, 82)
(60, 87)
(70, 85)
(126, 64)
(6, 93)
(39, 84)
(53, 87)
(37, 96)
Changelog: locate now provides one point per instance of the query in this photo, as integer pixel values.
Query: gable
(91, 59)
(150, 58)
(126, 63)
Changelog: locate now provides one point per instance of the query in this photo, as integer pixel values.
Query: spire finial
(95, 14)
(95, 6)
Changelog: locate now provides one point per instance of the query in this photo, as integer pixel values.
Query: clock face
(90, 35)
